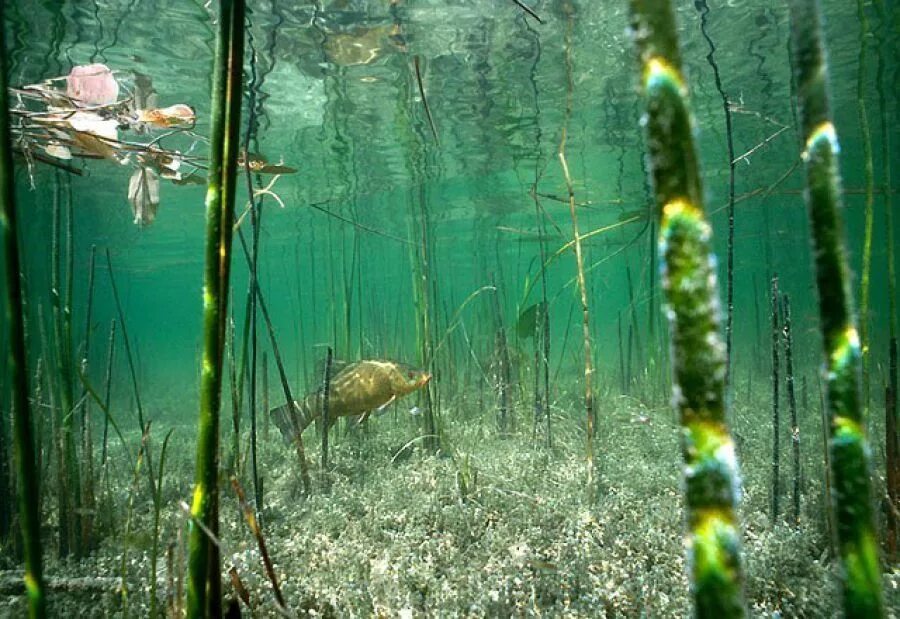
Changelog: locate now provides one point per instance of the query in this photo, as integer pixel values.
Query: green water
(338, 100)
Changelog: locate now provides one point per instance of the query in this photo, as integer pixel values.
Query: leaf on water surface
(60, 151)
(179, 115)
(92, 84)
(88, 122)
(260, 165)
(143, 195)
(93, 146)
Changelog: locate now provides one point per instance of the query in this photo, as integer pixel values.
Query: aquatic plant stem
(689, 283)
(775, 510)
(579, 257)
(87, 448)
(326, 421)
(157, 509)
(865, 279)
(17, 367)
(788, 336)
(203, 569)
(282, 373)
(851, 498)
(703, 7)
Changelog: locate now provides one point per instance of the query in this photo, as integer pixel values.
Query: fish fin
(288, 420)
(386, 404)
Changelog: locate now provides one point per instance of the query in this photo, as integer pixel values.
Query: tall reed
(203, 569)
(689, 283)
(569, 10)
(17, 365)
(851, 495)
(788, 336)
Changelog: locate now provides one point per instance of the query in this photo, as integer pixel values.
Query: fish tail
(292, 419)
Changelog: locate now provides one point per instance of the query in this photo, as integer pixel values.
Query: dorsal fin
(337, 365)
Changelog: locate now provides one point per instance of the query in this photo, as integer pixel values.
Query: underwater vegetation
(503, 377)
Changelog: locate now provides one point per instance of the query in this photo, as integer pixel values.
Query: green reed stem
(851, 498)
(698, 354)
(27, 472)
(864, 284)
(157, 508)
(224, 143)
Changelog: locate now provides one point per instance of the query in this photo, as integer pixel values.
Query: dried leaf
(258, 164)
(60, 151)
(92, 84)
(143, 195)
(178, 115)
(92, 146)
(88, 122)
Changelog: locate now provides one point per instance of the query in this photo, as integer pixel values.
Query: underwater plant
(204, 579)
(851, 493)
(26, 471)
(711, 473)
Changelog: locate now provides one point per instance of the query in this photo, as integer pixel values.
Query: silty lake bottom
(440, 208)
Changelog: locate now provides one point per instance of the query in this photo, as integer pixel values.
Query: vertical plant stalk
(792, 403)
(110, 353)
(775, 510)
(703, 7)
(203, 568)
(87, 447)
(698, 355)
(253, 524)
(61, 397)
(326, 420)
(26, 472)
(892, 453)
(579, 256)
(865, 279)
(851, 493)
(282, 373)
(157, 509)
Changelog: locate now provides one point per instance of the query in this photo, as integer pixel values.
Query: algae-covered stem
(698, 355)
(26, 471)
(203, 569)
(851, 498)
(579, 258)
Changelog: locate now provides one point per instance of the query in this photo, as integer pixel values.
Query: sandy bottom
(493, 526)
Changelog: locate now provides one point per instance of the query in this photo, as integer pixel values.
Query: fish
(356, 388)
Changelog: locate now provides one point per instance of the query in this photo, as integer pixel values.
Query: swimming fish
(356, 388)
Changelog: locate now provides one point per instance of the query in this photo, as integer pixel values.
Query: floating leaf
(178, 115)
(143, 195)
(92, 84)
(60, 151)
(88, 122)
(259, 165)
(93, 146)
(527, 322)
